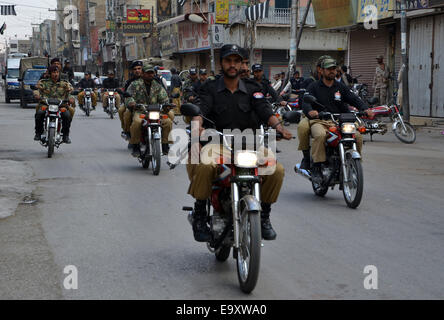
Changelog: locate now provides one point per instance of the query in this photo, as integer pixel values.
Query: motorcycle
(52, 136)
(235, 219)
(384, 115)
(88, 101)
(150, 145)
(112, 110)
(344, 161)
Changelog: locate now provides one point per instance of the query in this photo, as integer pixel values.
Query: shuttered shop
(306, 59)
(365, 46)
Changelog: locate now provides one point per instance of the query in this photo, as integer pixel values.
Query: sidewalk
(15, 186)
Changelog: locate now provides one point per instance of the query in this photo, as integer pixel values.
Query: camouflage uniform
(380, 83)
(57, 90)
(158, 95)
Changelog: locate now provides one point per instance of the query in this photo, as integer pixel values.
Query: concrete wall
(279, 38)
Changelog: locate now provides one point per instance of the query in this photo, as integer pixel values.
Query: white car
(166, 74)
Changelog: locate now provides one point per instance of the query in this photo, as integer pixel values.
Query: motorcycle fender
(156, 136)
(394, 125)
(251, 203)
(52, 124)
(354, 154)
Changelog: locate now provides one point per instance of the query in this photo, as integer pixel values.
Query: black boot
(37, 136)
(267, 229)
(201, 230)
(305, 163)
(66, 139)
(165, 149)
(135, 150)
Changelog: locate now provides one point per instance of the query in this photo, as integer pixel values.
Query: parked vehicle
(343, 166)
(31, 70)
(77, 77)
(384, 116)
(12, 85)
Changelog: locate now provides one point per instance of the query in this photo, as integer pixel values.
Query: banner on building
(164, 8)
(218, 32)
(333, 14)
(222, 11)
(168, 39)
(110, 25)
(8, 10)
(138, 16)
(136, 28)
(193, 36)
(94, 39)
(384, 9)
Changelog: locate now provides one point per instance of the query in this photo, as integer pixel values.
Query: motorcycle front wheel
(354, 188)
(87, 110)
(408, 135)
(249, 252)
(51, 141)
(111, 110)
(156, 156)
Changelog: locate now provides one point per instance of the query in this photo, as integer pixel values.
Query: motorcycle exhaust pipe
(190, 211)
(302, 172)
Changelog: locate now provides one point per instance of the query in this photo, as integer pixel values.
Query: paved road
(123, 229)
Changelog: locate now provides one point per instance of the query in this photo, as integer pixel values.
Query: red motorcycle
(384, 115)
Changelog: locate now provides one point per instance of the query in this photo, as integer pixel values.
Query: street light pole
(210, 35)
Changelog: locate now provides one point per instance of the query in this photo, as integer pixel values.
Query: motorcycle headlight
(245, 159)
(111, 93)
(348, 128)
(154, 115)
(53, 108)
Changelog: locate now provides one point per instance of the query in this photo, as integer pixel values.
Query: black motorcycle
(51, 136)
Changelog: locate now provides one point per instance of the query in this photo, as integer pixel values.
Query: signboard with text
(138, 16)
(384, 9)
(136, 28)
(222, 11)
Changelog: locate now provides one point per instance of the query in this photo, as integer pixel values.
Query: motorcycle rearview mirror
(190, 110)
(310, 99)
(292, 116)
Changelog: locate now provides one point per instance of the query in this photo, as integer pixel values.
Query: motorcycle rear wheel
(51, 141)
(407, 136)
(249, 253)
(353, 190)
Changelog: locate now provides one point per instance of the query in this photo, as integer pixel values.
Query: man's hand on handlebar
(369, 113)
(313, 114)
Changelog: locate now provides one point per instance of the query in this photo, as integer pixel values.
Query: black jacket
(246, 108)
(84, 84)
(267, 89)
(335, 98)
(110, 83)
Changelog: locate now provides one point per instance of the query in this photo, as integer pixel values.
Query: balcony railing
(275, 16)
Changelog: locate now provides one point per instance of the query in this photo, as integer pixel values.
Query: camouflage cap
(328, 63)
(321, 59)
(148, 68)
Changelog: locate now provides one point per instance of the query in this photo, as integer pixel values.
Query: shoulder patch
(258, 95)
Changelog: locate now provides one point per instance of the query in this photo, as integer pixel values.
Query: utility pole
(119, 25)
(405, 62)
(293, 36)
(210, 34)
(88, 35)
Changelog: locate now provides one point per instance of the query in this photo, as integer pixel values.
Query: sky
(27, 13)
